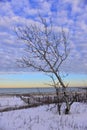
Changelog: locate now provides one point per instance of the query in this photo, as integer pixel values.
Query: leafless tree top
(47, 48)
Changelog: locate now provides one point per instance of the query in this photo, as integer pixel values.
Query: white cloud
(20, 12)
(6, 9)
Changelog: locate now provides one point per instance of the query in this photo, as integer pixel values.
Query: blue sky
(69, 14)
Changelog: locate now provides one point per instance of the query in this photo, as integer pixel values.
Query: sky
(69, 14)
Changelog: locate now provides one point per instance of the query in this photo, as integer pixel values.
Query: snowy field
(41, 118)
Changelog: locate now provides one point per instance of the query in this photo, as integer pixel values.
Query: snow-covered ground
(10, 101)
(41, 118)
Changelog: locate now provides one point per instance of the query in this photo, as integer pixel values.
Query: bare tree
(47, 50)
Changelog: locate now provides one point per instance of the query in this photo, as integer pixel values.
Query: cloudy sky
(69, 14)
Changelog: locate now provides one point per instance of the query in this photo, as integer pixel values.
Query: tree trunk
(59, 108)
(67, 110)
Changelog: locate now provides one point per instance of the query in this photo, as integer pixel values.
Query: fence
(77, 96)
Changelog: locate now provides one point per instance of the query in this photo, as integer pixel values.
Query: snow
(10, 101)
(42, 118)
